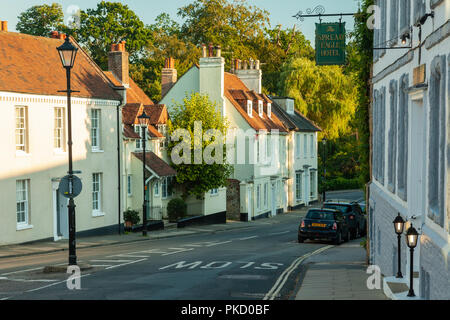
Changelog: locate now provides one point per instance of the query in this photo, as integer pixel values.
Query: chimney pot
(218, 51)
(203, 50)
(244, 65)
(251, 63)
(4, 26)
(62, 36)
(118, 62)
(168, 75)
(53, 34)
(257, 64)
(210, 50)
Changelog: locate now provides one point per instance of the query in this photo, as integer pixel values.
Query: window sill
(97, 151)
(214, 195)
(96, 214)
(22, 154)
(59, 152)
(24, 227)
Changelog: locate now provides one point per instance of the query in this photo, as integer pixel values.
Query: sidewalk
(338, 273)
(170, 230)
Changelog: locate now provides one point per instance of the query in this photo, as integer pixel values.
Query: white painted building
(263, 178)
(411, 143)
(34, 156)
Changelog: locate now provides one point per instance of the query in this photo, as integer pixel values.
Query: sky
(281, 11)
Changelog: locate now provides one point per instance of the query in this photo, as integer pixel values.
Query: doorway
(62, 216)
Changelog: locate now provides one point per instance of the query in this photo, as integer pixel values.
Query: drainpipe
(122, 103)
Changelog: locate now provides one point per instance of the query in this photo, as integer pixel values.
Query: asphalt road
(254, 263)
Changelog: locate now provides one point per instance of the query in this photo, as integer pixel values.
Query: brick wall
(233, 200)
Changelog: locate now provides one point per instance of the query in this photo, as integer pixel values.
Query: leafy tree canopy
(196, 179)
(41, 20)
(322, 93)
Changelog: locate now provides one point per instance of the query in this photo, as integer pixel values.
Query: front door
(62, 216)
(274, 200)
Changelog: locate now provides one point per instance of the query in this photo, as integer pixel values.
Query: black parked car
(353, 214)
(326, 224)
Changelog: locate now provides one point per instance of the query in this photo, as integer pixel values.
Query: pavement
(338, 274)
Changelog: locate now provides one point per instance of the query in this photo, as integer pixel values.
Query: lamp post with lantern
(143, 121)
(68, 52)
(399, 225)
(411, 240)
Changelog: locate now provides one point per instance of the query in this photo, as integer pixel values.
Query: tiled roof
(158, 113)
(134, 93)
(31, 64)
(238, 94)
(153, 132)
(130, 112)
(156, 164)
(129, 132)
(296, 121)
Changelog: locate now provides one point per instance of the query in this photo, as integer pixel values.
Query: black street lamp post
(411, 240)
(399, 224)
(143, 121)
(324, 142)
(67, 52)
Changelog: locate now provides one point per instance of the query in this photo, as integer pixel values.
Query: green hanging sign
(330, 43)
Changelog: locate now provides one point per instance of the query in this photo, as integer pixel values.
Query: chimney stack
(118, 62)
(168, 76)
(250, 74)
(3, 25)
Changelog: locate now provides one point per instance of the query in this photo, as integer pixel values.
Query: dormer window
(269, 110)
(260, 108)
(249, 108)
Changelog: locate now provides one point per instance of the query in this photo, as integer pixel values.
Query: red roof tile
(156, 164)
(31, 64)
(238, 94)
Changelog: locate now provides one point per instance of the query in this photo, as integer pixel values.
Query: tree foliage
(322, 93)
(196, 179)
(108, 23)
(40, 20)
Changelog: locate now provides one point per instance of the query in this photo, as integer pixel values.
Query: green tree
(324, 94)
(108, 23)
(41, 20)
(196, 179)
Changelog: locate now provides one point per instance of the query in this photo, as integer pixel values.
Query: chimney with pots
(211, 74)
(57, 35)
(118, 62)
(4, 26)
(250, 74)
(168, 76)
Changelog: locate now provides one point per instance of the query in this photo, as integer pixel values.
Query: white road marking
(152, 251)
(248, 238)
(111, 260)
(275, 290)
(124, 264)
(178, 250)
(278, 233)
(130, 256)
(100, 265)
(217, 243)
(54, 284)
(26, 270)
(192, 245)
(4, 298)
(32, 280)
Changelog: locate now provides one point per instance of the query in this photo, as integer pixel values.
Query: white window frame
(298, 186)
(305, 145)
(214, 192)
(59, 126)
(129, 185)
(297, 145)
(96, 129)
(156, 189)
(260, 108)
(258, 196)
(311, 147)
(312, 184)
(21, 126)
(24, 185)
(250, 108)
(97, 194)
(269, 110)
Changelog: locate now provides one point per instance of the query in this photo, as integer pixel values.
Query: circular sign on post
(64, 187)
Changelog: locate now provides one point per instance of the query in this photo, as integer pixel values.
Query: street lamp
(67, 52)
(399, 225)
(411, 240)
(143, 121)
(324, 142)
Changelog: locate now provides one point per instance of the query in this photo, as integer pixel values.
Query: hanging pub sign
(330, 43)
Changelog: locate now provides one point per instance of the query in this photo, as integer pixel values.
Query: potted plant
(131, 217)
(176, 209)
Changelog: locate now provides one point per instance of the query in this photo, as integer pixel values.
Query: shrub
(176, 209)
(340, 184)
(131, 216)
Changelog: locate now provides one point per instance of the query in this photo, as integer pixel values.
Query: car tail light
(352, 217)
(335, 226)
(302, 224)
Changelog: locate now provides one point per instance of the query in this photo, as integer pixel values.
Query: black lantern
(67, 53)
(143, 121)
(399, 225)
(411, 240)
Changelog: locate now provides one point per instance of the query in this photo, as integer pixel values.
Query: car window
(342, 208)
(320, 215)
